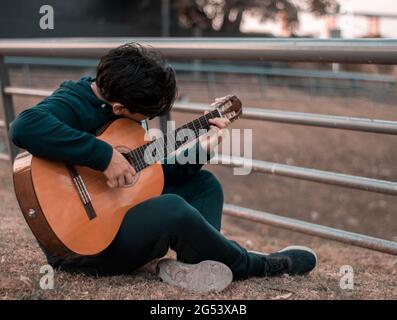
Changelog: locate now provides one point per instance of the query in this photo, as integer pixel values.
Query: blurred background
(237, 18)
(367, 91)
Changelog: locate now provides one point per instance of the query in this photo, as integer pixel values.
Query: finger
(214, 129)
(111, 183)
(120, 181)
(129, 179)
(219, 122)
(217, 101)
(132, 170)
(206, 112)
(226, 120)
(221, 99)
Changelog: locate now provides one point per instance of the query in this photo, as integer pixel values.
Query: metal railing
(218, 68)
(349, 51)
(268, 77)
(298, 50)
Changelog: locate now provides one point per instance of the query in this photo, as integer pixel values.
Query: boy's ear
(117, 108)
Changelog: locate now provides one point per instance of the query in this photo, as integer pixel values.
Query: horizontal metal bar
(312, 229)
(283, 72)
(51, 61)
(4, 156)
(308, 119)
(28, 92)
(261, 49)
(368, 14)
(326, 177)
(218, 68)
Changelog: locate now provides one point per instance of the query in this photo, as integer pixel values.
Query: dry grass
(21, 259)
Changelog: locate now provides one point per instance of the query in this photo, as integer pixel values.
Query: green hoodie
(62, 128)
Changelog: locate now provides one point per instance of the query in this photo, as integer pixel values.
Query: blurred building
(357, 19)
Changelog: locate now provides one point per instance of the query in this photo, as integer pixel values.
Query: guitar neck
(160, 148)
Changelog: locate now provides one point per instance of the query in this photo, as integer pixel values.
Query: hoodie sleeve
(45, 135)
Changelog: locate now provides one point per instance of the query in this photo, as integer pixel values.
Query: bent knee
(180, 213)
(211, 183)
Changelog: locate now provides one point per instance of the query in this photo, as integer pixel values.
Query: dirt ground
(375, 274)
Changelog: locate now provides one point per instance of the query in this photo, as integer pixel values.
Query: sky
(351, 26)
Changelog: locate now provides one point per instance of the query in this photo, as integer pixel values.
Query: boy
(135, 82)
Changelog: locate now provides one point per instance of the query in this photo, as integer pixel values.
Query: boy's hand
(119, 171)
(214, 136)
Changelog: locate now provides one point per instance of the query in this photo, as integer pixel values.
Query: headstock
(230, 107)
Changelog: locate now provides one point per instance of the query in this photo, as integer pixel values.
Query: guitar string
(138, 154)
(202, 123)
(156, 143)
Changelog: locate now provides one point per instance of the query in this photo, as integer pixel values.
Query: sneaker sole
(202, 277)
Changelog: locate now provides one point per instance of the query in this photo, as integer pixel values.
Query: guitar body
(54, 210)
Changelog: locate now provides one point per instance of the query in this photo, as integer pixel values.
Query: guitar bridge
(82, 191)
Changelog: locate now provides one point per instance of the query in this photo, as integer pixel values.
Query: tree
(225, 16)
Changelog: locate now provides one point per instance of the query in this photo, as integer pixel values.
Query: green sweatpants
(185, 218)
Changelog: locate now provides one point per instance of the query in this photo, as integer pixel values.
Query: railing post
(211, 83)
(262, 84)
(7, 106)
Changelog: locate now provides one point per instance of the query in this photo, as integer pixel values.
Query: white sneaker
(202, 277)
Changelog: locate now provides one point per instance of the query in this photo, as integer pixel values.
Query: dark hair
(138, 78)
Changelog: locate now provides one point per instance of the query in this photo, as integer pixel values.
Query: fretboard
(160, 148)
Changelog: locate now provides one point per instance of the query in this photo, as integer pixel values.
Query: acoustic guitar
(72, 211)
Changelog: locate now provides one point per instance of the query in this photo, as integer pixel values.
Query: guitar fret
(168, 142)
(137, 161)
